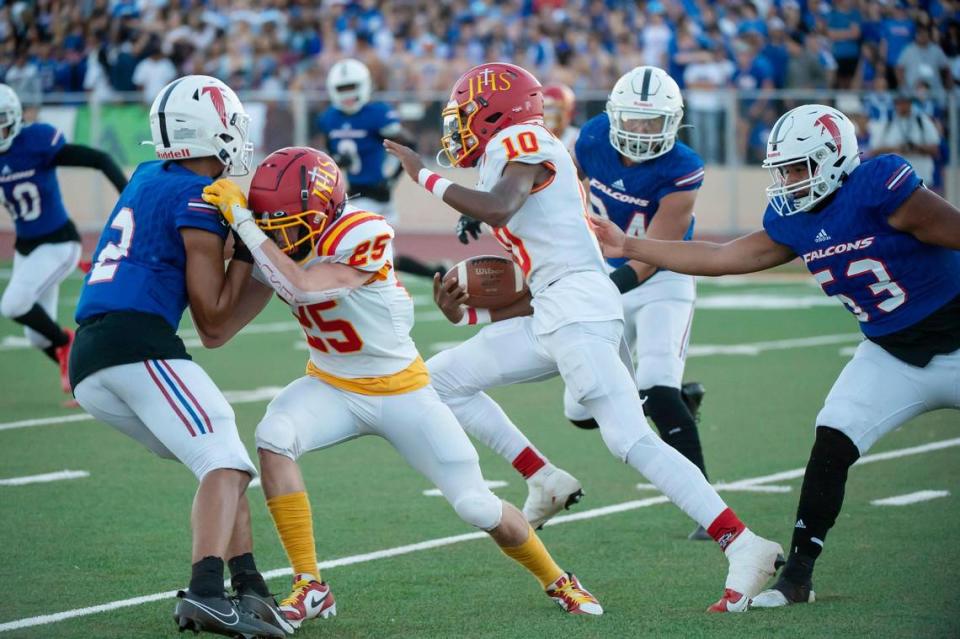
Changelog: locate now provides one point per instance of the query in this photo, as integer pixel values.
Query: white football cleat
(753, 561)
(550, 490)
(784, 593)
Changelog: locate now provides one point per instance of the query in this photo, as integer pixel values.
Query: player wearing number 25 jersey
(881, 243)
(364, 376)
(47, 245)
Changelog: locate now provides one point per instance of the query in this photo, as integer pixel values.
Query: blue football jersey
(630, 195)
(140, 261)
(359, 138)
(28, 181)
(887, 278)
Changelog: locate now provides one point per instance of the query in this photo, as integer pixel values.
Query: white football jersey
(549, 237)
(365, 333)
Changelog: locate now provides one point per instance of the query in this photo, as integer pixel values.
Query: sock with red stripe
(725, 528)
(528, 462)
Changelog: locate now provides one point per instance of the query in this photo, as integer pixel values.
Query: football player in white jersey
(364, 375)
(528, 192)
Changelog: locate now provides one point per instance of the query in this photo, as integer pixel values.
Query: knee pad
(480, 510)
(276, 433)
(13, 305)
(442, 381)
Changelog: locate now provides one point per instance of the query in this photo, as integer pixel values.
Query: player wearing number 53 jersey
(47, 244)
(884, 245)
(528, 192)
(364, 376)
(162, 250)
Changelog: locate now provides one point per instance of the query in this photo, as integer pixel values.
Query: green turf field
(122, 532)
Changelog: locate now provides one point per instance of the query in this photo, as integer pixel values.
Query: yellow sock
(533, 556)
(291, 515)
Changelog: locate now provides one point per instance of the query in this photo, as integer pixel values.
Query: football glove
(468, 227)
(227, 196)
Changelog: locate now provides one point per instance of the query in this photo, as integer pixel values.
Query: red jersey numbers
(369, 250)
(524, 143)
(515, 246)
(324, 334)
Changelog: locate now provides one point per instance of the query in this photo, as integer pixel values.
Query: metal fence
(728, 128)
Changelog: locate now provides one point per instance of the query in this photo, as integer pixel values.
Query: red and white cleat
(309, 599)
(63, 358)
(573, 597)
(753, 561)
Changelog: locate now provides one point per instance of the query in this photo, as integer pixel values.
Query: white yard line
(43, 620)
(911, 498)
(491, 484)
(44, 478)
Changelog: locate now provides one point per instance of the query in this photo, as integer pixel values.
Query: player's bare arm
(495, 207)
(213, 293)
(254, 297)
(929, 218)
(746, 254)
(670, 223)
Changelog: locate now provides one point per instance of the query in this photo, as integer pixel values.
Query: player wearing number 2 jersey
(162, 250)
(47, 244)
(528, 192)
(884, 245)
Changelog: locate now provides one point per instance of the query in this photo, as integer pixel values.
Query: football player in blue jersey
(876, 239)
(646, 182)
(162, 250)
(354, 129)
(47, 245)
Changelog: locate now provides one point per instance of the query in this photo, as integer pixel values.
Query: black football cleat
(692, 395)
(264, 608)
(220, 616)
(784, 593)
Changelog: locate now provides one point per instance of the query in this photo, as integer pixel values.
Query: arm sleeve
(80, 155)
(193, 212)
(892, 181)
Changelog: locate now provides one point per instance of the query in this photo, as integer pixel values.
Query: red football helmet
(485, 100)
(558, 104)
(295, 194)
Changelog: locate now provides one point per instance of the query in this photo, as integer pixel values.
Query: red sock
(528, 462)
(725, 528)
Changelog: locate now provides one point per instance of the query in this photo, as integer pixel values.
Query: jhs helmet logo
(489, 80)
(324, 178)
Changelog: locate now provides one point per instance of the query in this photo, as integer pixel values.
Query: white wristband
(473, 316)
(433, 182)
(250, 233)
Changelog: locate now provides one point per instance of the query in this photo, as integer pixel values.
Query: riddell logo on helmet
(837, 249)
(491, 80)
(179, 154)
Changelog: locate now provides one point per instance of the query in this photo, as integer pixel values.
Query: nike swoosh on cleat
(315, 603)
(232, 620)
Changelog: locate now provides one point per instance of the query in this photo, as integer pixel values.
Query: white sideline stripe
(491, 484)
(44, 478)
(43, 421)
(455, 539)
(911, 498)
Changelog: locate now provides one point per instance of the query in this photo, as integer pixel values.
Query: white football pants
(658, 317)
(589, 356)
(173, 408)
(876, 393)
(310, 414)
(36, 280)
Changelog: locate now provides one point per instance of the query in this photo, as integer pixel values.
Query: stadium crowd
(884, 48)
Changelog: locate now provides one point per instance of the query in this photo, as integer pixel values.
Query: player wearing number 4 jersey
(529, 193)
(161, 250)
(47, 244)
(876, 239)
(364, 375)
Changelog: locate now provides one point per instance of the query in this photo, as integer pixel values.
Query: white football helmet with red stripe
(822, 137)
(645, 109)
(198, 116)
(11, 116)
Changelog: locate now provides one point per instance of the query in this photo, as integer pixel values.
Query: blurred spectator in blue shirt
(843, 28)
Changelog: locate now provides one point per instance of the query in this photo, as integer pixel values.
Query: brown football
(491, 281)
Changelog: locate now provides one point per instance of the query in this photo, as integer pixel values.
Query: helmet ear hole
(490, 119)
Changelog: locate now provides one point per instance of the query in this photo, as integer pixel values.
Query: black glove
(468, 227)
(240, 250)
